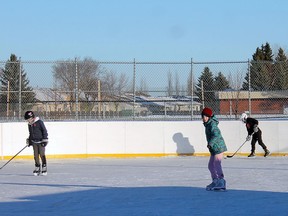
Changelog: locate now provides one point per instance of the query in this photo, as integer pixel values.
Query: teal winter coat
(216, 144)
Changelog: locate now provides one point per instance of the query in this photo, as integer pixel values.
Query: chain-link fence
(91, 90)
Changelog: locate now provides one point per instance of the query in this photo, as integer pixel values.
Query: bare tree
(143, 89)
(72, 73)
(177, 85)
(114, 86)
(190, 82)
(170, 85)
(89, 75)
(236, 83)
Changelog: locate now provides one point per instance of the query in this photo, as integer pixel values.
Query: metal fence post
(249, 88)
(20, 89)
(192, 89)
(134, 87)
(165, 109)
(76, 90)
(202, 94)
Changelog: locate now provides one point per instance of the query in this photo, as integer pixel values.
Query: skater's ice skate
(37, 171)
(267, 152)
(220, 185)
(213, 184)
(44, 169)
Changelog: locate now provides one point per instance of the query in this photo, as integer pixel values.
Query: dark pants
(39, 150)
(257, 137)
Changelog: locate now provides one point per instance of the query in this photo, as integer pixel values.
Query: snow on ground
(144, 186)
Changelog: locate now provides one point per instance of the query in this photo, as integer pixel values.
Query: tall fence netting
(92, 90)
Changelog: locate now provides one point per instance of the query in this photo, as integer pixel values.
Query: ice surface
(144, 186)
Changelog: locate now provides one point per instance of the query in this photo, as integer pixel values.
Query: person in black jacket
(38, 138)
(254, 132)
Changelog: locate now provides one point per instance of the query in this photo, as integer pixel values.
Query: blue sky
(147, 30)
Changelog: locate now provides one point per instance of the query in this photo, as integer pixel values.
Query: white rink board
(139, 137)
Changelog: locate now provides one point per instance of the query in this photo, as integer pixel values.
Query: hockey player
(254, 131)
(38, 138)
(216, 146)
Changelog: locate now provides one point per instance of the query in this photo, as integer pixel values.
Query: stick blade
(230, 156)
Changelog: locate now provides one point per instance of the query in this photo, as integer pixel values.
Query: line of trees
(265, 73)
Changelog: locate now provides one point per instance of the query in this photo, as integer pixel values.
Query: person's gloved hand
(248, 138)
(44, 142)
(209, 147)
(28, 142)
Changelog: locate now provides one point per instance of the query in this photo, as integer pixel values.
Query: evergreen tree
(208, 90)
(221, 82)
(280, 71)
(267, 51)
(261, 70)
(10, 86)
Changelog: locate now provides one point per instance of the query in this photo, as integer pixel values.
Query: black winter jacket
(250, 122)
(37, 130)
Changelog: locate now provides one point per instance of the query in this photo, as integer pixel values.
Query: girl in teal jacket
(217, 147)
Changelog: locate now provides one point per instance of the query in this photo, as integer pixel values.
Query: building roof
(228, 95)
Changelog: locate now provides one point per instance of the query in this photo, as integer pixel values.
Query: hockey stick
(230, 156)
(13, 157)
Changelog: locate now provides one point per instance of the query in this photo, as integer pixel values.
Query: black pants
(257, 137)
(39, 150)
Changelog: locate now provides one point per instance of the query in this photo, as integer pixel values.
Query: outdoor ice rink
(144, 186)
